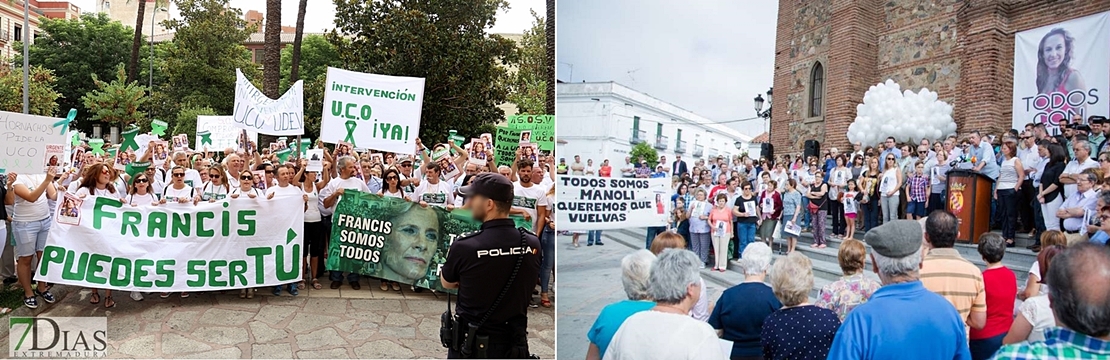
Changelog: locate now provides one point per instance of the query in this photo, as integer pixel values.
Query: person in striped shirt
(949, 275)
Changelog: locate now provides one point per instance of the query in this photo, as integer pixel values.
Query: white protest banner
(371, 111)
(595, 203)
(23, 140)
(1062, 70)
(98, 242)
(256, 112)
(222, 133)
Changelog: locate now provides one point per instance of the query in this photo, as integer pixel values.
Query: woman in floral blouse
(853, 288)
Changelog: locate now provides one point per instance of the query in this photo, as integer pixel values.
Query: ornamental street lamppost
(759, 112)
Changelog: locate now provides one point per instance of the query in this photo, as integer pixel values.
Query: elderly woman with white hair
(635, 271)
(799, 330)
(666, 331)
(740, 311)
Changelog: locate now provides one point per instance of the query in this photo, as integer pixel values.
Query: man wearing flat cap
(902, 320)
(1105, 124)
(495, 270)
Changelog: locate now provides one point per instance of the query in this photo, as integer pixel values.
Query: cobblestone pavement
(345, 323)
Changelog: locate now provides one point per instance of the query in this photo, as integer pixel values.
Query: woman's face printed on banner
(413, 242)
(1054, 50)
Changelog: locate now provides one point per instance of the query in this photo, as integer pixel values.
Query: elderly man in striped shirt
(948, 274)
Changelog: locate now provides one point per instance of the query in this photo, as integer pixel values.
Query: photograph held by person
(883, 328)
(666, 331)
(1080, 280)
(491, 318)
(799, 330)
(635, 271)
(741, 309)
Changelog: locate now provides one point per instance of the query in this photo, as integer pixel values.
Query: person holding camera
(494, 270)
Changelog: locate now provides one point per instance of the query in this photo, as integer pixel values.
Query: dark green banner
(396, 240)
(542, 127)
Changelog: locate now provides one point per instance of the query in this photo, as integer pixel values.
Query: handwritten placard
(23, 140)
(223, 133)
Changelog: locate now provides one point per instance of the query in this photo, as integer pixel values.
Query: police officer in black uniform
(495, 270)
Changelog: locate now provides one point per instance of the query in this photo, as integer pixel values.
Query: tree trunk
(295, 69)
(271, 62)
(550, 27)
(133, 65)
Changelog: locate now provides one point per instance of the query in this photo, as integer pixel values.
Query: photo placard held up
(223, 133)
(505, 145)
(372, 111)
(594, 203)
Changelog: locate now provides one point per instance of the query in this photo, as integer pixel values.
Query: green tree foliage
(643, 151)
(43, 97)
(207, 48)
(528, 85)
(117, 102)
(550, 57)
(186, 121)
(313, 104)
(75, 50)
(444, 42)
(317, 54)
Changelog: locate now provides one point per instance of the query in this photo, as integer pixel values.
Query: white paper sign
(224, 133)
(372, 111)
(594, 203)
(23, 140)
(256, 112)
(315, 160)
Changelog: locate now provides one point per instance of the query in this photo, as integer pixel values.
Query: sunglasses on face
(391, 178)
(245, 177)
(140, 181)
(214, 176)
(178, 174)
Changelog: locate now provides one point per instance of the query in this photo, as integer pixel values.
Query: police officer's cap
(494, 186)
(1097, 119)
(1082, 127)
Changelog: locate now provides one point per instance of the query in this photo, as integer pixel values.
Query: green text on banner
(505, 144)
(256, 112)
(396, 240)
(594, 203)
(372, 111)
(23, 140)
(224, 133)
(98, 242)
(542, 127)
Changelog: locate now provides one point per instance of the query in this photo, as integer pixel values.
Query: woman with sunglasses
(392, 188)
(216, 188)
(178, 192)
(315, 230)
(140, 193)
(889, 184)
(245, 191)
(97, 181)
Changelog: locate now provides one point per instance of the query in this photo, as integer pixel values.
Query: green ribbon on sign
(129, 139)
(75, 139)
(158, 127)
(283, 154)
(205, 137)
(113, 151)
(135, 168)
(64, 123)
(305, 145)
(97, 146)
(351, 125)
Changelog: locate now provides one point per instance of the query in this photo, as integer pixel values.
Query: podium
(969, 198)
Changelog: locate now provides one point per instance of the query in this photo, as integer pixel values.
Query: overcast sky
(320, 13)
(711, 57)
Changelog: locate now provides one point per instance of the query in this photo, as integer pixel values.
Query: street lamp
(738, 145)
(150, 74)
(759, 112)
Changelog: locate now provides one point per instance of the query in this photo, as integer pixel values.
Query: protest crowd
(165, 172)
(892, 196)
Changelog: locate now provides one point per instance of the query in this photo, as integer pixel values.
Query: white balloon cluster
(907, 116)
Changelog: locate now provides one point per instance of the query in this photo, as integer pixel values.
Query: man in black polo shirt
(492, 309)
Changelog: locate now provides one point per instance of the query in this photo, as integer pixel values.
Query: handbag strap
(505, 290)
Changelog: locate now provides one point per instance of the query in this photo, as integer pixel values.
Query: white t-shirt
(288, 190)
(1039, 314)
(396, 195)
(171, 194)
(351, 183)
(105, 192)
(312, 214)
(244, 195)
(438, 194)
(658, 335)
(140, 200)
(192, 178)
(529, 199)
(212, 191)
(1074, 167)
(31, 211)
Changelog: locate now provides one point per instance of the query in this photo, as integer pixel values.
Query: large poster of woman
(1062, 71)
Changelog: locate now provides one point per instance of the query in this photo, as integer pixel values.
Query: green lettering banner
(100, 242)
(542, 127)
(396, 240)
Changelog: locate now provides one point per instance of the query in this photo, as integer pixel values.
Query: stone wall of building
(962, 49)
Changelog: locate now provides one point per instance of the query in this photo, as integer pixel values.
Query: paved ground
(367, 323)
(590, 278)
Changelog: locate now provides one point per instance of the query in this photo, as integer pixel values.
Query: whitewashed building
(603, 120)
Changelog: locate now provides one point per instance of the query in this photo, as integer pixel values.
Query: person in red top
(605, 170)
(770, 204)
(722, 185)
(1000, 284)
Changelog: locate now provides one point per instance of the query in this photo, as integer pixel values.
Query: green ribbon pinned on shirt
(350, 125)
